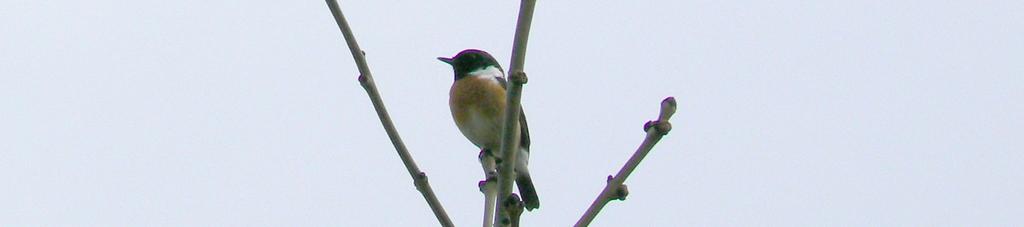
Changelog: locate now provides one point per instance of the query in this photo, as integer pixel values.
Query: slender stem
(614, 189)
(366, 80)
(490, 194)
(510, 136)
(522, 35)
(489, 187)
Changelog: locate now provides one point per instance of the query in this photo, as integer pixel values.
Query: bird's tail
(527, 191)
(525, 183)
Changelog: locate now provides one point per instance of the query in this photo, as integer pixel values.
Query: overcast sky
(248, 113)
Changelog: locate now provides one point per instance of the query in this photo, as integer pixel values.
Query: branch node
(492, 178)
(620, 193)
(362, 79)
(420, 180)
(660, 127)
(519, 77)
(514, 205)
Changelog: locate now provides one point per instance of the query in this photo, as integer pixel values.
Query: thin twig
(489, 187)
(615, 189)
(510, 136)
(490, 192)
(366, 80)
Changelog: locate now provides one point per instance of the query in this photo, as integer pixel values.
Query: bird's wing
(524, 136)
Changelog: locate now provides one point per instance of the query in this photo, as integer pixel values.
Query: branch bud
(519, 77)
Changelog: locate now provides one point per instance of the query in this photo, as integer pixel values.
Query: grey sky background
(248, 113)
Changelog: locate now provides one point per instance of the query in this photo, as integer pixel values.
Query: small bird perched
(477, 101)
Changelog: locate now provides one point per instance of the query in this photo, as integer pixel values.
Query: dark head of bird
(470, 60)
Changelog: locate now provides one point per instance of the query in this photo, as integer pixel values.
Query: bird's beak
(445, 60)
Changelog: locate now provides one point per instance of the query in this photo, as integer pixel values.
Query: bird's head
(470, 60)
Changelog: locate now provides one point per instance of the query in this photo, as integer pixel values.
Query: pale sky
(248, 113)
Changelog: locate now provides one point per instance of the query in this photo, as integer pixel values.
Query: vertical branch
(489, 186)
(366, 80)
(490, 193)
(510, 136)
(615, 189)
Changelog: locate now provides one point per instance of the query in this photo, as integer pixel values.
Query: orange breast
(477, 104)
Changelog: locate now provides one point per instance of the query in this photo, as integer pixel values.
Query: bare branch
(490, 190)
(489, 186)
(510, 136)
(366, 80)
(615, 189)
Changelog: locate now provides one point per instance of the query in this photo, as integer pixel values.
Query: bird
(477, 102)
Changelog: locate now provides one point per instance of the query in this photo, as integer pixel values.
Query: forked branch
(366, 80)
(615, 189)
